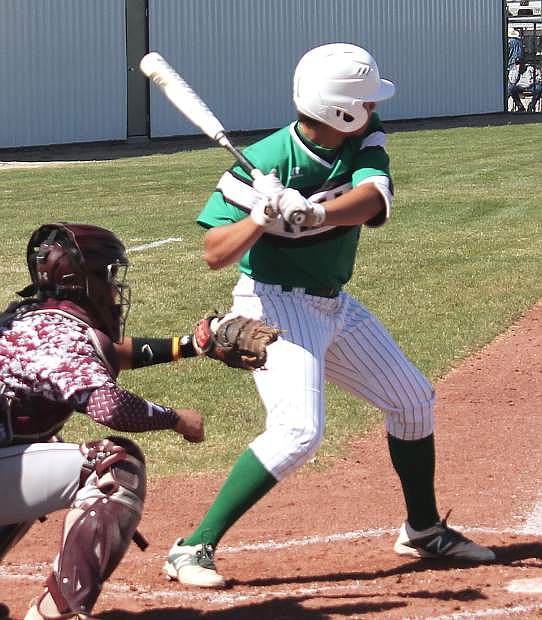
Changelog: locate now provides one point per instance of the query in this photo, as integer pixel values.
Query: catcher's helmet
(332, 82)
(85, 264)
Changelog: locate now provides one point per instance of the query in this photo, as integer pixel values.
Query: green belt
(316, 292)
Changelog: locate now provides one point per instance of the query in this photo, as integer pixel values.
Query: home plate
(533, 585)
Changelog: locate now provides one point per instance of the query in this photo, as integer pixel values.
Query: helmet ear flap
(345, 117)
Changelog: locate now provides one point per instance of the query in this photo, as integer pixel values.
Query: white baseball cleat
(193, 565)
(440, 541)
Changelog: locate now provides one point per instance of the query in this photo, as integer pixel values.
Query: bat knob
(297, 218)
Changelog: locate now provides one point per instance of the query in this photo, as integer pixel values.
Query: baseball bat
(190, 104)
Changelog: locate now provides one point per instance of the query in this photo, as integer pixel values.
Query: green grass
(458, 263)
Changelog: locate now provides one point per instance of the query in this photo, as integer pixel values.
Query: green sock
(414, 462)
(248, 482)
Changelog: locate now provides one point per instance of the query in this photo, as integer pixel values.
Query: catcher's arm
(237, 341)
(136, 352)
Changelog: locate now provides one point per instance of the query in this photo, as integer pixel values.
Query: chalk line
(153, 244)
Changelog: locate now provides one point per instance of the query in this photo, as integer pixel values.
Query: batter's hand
(270, 186)
(298, 211)
(263, 212)
(190, 425)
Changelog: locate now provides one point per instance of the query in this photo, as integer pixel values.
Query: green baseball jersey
(310, 258)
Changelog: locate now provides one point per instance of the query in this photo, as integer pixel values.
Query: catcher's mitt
(237, 341)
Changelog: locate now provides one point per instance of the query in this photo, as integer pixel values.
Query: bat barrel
(188, 102)
(180, 93)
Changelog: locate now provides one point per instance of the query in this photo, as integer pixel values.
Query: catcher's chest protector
(31, 418)
(103, 344)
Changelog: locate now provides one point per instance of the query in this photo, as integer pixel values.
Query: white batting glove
(263, 212)
(298, 211)
(271, 187)
(268, 184)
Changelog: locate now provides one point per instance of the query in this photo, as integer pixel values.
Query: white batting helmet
(331, 83)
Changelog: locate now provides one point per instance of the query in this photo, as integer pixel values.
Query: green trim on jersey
(309, 258)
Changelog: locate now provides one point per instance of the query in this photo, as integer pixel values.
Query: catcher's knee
(100, 524)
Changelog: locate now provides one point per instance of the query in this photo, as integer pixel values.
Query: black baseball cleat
(440, 541)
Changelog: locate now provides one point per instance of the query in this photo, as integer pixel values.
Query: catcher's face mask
(86, 264)
(121, 297)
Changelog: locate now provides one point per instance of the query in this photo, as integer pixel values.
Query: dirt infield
(319, 546)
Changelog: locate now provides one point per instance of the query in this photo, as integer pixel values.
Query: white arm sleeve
(382, 184)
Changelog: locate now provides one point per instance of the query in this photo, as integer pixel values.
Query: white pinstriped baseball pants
(338, 340)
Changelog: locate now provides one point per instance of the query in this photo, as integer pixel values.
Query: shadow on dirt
(414, 566)
(326, 606)
(464, 595)
(292, 608)
(283, 609)
(506, 554)
(518, 551)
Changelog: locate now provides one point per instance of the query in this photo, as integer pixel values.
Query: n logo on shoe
(439, 545)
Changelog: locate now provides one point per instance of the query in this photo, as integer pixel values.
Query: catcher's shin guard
(99, 526)
(11, 534)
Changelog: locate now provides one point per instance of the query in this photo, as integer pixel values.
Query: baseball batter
(294, 233)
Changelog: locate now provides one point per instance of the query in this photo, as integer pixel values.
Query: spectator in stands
(515, 47)
(524, 78)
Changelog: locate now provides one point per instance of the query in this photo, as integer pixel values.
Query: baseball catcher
(61, 349)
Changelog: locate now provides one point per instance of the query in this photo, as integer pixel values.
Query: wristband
(187, 347)
(150, 351)
(175, 348)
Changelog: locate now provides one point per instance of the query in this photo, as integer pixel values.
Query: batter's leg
(191, 559)
(365, 360)
(292, 390)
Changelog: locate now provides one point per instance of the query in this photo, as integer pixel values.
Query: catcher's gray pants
(38, 479)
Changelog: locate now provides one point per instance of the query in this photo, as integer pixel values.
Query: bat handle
(248, 166)
(298, 217)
